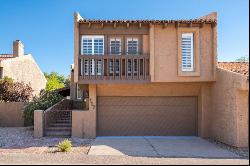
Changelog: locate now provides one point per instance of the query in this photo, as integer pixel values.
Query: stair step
(58, 133)
(58, 129)
(62, 121)
(60, 125)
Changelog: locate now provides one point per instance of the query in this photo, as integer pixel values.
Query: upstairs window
(115, 46)
(187, 52)
(132, 46)
(92, 45)
(98, 46)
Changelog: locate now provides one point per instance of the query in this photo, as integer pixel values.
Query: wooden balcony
(113, 69)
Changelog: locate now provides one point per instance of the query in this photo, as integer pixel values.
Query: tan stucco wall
(38, 123)
(229, 118)
(11, 114)
(24, 68)
(200, 90)
(83, 123)
(165, 50)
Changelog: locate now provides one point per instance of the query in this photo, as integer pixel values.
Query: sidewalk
(62, 158)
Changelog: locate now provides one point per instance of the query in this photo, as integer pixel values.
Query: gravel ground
(21, 140)
(243, 152)
(78, 159)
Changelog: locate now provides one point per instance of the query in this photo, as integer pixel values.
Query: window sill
(188, 73)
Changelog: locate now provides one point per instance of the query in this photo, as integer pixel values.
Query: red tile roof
(237, 67)
(201, 20)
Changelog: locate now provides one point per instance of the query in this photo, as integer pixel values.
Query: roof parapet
(77, 17)
(210, 16)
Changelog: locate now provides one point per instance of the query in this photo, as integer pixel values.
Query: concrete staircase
(60, 125)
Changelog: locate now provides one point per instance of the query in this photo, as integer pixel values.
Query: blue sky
(46, 26)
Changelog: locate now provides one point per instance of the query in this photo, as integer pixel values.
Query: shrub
(64, 146)
(11, 91)
(46, 100)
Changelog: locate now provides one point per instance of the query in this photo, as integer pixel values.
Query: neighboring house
(22, 67)
(153, 78)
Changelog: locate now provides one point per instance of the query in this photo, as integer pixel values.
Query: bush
(46, 100)
(64, 146)
(11, 91)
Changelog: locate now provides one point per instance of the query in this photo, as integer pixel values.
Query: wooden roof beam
(165, 25)
(89, 25)
(127, 25)
(177, 24)
(140, 25)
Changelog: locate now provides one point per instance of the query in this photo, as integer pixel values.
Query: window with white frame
(135, 66)
(111, 67)
(129, 66)
(187, 55)
(92, 45)
(86, 67)
(115, 46)
(98, 46)
(87, 43)
(132, 46)
(99, 67)
(117, 66)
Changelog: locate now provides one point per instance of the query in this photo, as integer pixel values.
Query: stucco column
(204, 111)
(38, 123)
(78, 123)
(152, 52)
(90, 129)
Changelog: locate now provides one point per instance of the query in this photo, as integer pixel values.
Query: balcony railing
(113, 68)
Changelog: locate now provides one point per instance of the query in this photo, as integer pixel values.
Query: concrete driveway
(158, 147)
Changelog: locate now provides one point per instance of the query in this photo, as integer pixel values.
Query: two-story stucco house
(22, 67)
(146, 77)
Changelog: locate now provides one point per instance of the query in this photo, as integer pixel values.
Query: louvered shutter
(187, 52)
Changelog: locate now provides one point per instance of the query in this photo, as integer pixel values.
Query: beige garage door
(147, 116)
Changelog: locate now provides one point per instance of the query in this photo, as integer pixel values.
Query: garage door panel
(146, 101)
(118, 109)
(124, 116)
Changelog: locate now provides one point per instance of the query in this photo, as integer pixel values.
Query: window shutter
(187, 52)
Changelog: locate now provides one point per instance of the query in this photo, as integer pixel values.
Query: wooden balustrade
(113, 68)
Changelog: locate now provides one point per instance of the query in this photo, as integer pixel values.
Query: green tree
(55, 81)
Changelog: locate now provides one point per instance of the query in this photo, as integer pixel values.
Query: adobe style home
(151, 78)
(22, 67)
